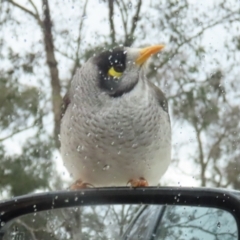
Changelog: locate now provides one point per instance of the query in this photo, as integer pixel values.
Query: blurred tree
(196, 87)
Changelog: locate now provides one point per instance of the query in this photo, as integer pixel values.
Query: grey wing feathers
(66, 101)
(162, 100)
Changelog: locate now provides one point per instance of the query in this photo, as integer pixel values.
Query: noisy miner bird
(116, 128)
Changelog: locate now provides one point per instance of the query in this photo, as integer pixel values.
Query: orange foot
(138, 182)
(79, 184)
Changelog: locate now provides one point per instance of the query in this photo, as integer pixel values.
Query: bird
(115, 127)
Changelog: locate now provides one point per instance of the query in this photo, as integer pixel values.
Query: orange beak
(147, 52)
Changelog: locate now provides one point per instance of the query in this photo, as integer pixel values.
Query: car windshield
(80, 223)
(118, 93)
(124, 222)
(181, 222)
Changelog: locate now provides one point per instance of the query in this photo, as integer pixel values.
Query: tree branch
(64, 54)
(136, 17)
(110, 16)
(217, 184)
(31, 230)
(214, 146)
(23, 8)
(35, 8)
(52, 64)
(124, 21)
(196, 35)
(201, 156)
(35, 15)
(79, 40)
(130, 38)
(16, 132)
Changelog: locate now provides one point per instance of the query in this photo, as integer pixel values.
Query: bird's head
(116, 72)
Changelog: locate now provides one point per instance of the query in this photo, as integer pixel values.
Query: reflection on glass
(124, 222)
(196, 223)
(79, 223)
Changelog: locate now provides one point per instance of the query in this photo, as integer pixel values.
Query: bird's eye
(118, 68)
(116, 71)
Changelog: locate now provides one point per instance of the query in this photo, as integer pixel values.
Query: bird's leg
(79, 184)
(138, 182)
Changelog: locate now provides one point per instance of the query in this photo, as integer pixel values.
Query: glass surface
(128, 222)
(185, 223)
(43, 43)
(80, 223)
(196, 223)
(198, 72)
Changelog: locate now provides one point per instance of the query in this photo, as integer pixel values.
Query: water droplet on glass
(134, 145)
(106, 167)
(218, 224)
(112, 143)
(74, 106)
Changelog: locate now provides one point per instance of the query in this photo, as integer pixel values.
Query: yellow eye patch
(112, 72)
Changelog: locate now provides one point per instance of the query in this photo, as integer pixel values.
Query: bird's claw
(138, 182)
(79, 184)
